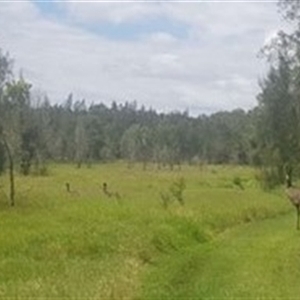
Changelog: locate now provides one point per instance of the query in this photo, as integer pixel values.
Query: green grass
(254, 261)
(230, 240)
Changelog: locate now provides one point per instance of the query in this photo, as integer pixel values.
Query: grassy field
(230, 240)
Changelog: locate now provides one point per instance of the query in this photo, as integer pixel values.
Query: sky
(197, 56)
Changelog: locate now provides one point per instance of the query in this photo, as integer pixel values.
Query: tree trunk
(11, 172)
(289, 174)
(298, 215)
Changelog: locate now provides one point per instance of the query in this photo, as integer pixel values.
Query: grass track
(260, 260)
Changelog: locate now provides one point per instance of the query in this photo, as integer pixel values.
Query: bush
(237, 181)
(268, 178)
(165, 199)
(175, 192)
(177, 188)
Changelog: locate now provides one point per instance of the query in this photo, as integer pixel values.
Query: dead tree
(294, 196)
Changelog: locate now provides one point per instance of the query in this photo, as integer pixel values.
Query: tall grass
(87, 245)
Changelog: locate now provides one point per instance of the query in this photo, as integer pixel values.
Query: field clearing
(86, 245)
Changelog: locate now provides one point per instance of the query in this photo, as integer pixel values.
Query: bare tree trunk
(298, 215)
(288, 174)
(11, 172)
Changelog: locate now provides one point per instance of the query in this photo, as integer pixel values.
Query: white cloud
(116, 12)
(214, 68)
(23, 11)
(161, 38)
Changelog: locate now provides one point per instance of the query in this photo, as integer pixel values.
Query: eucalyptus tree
(136, 144)
(279, 125)
(14, 109)
(279, 99)
(5, 74)
(81, 144)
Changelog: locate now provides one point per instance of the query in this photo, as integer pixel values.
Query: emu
(294, 196)
(68, 187)
(105, 190)
(72, 192)
(109, 194)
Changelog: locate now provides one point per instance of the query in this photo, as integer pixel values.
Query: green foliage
(290, 9)
(5, 69)
(279, 122)
(177, 188)
(246, 262)
(174, 193)
(2, 158)
(41, 169)
(75, 132)
(136, 144)
(268, 178)
(166, 199)
(237, 181)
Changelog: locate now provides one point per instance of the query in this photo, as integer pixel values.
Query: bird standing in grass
(294, 196)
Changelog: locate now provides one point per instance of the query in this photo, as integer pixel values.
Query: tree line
(38, 131)
(33, 131)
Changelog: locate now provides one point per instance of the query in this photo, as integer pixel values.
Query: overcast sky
(200, 57)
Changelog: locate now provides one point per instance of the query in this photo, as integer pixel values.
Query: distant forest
(74, 132)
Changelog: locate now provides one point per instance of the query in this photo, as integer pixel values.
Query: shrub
(268, 178)
(177, 188)
(165, 199)
(237, 181)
